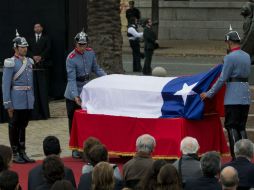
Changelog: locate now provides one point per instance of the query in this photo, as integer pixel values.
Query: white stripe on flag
(125, 95)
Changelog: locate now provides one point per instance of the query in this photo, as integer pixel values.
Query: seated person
(88, 144)
(229, 178)
(5, 157)
(51, 146)
(137, 167)
(53, 170)
(103, 177)
(9, 180)
(188, 166)
(210, 166)
(98, 154)
(243, 150)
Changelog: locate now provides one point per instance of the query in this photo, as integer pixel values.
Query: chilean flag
(148, 96)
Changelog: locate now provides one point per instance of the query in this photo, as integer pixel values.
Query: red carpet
(74, 164)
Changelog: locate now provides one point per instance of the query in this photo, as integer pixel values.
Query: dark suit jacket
(149, 39)
(40, 48)
(36, 179)
(245, 171)
(85, 182)
(203, 183)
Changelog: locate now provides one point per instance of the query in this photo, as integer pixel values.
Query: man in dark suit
(210, 166)
(132, 12)
(243, 150)
(150, 44)
(39, 51)
(51, 146)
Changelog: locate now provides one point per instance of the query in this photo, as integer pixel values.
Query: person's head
(232, 40)
(229, 178)
(62, 184)
(38, 27)
(210, 164)
(103, 177)
(5, 157)
(9, 180)
(131, 4)
(148, 22)
(53, 168)
(81, 40)
(189, 145)
(20, 45)
(88, 144)
(98, 153)
(168, 178)
(51, 145)
(244, 148)
(145, 143)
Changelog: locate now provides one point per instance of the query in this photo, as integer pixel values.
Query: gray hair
(189, 145)
(145, 143)
(244, 147)
(210, 163)
(229, 177)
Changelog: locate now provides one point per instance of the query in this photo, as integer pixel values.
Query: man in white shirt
(134, 37)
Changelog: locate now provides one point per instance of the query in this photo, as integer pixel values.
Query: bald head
(229, 178)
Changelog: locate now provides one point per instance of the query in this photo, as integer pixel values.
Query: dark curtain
(21, 15)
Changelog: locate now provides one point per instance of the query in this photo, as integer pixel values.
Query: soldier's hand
(78, 100)
(10, 112)
(203, 95)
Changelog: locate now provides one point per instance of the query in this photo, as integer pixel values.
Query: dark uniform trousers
(71, 107)
(135, 46)
(17, 129)
(235, 121)
(147, 70)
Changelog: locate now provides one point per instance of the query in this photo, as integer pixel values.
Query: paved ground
(178, 57)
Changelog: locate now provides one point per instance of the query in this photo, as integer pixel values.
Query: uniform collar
(235, 49)
(78, 52)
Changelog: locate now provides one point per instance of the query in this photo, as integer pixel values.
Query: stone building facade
(195, 19)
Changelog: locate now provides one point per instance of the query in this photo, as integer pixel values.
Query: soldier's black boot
(16, 158)
(24, 155)
(26, 158)
(233, 137)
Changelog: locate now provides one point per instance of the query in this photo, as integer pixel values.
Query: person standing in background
(39, 51)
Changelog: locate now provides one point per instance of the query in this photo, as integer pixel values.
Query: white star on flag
(186, 91)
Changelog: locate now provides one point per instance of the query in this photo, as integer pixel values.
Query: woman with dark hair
(103, 177)
(88, 145)
(168, 178)
(97, 154)
(9, 180)
(149, 182)
(5, 157)
(53, 170)
(63, 185)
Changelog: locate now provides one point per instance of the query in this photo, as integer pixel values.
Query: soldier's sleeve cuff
(8, 105)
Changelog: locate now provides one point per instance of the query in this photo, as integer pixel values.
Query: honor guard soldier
(235, 73)
(80, 63)
(18, 97)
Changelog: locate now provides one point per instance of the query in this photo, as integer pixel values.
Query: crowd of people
(141, 172)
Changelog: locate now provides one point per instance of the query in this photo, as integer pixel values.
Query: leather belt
(234, 79)
(21, 87)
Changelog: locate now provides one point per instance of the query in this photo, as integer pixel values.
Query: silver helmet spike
(17, 34)
(230, 28)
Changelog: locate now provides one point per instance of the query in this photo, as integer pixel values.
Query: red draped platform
(119, 134)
